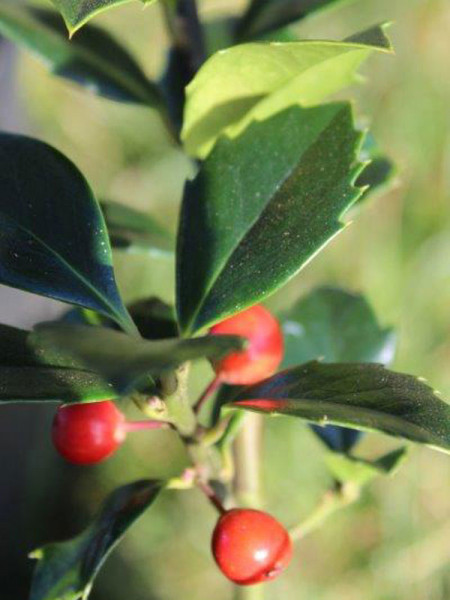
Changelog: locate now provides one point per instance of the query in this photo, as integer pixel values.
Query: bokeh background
(395, 543)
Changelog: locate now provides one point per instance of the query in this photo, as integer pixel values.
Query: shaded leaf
(337, 326)
(93, 59)
(154, 319)
(121, 359)
(263, 16)
(245, 230)
(254, 81)
(361, 396)
(131, 229)
(378, 174)
(360, 471)
(66, 570)
(53, 237)
(25, 378)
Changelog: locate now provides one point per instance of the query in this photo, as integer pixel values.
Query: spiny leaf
(254, 81)
(245, 230)
(361, 396)
(337, 326)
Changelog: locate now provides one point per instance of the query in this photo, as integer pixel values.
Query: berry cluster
(249, 546)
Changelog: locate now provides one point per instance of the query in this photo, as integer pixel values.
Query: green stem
(179, 409)
(341, 496)
(248, 481)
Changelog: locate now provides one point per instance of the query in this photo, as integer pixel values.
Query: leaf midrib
(251, 225)
(111, 310)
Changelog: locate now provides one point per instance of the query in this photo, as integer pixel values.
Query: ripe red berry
(263, 353)
(250, 546)
(85, 434)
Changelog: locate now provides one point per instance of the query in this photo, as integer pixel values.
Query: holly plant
(277, 166)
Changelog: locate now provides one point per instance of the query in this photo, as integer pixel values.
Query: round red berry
(85, 434)
(264, 351)
(250, 546)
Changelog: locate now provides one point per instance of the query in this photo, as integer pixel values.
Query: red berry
(263, 353)
(85, 434)
(250, 546)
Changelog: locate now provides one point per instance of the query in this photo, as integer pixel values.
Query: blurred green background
(394, 544)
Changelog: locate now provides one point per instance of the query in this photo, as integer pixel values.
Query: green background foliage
(396, 252)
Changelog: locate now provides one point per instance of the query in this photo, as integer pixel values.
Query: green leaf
(133, 230)
(53, 238)
(25, 379)
(66, 570)
(360, 396)
(337, 326)
(121, 359)
(261, 207)
(357, 470)
(77, 13)
(255, 81)
(93, 59)
(154, 319)
(378, 173)
(263, 16)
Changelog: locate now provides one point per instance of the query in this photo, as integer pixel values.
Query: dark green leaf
(66, 570)
(78, 12)
(252, 82)
(263, 16)
(53, 238)
(261, 207)
(335, 325)
(121, 359)
(93, 59)
(154, 319)
(131, 229)
(361, 396)
(25, 378)
(360, 471)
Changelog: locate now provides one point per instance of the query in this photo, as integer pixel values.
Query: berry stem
(207, 393)
(143, 425)
(211, 495)
(337, 498)
(248, 483)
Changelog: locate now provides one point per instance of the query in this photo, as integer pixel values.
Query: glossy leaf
(66, 570)
(78, 12)
(92, 59)
(24, 378)
(131, 229)
(337, 326)
(263, 16)
(361, 396)
(254, 81)
(53, 238)
(360, 471)
(246, 229)
(121, 359)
